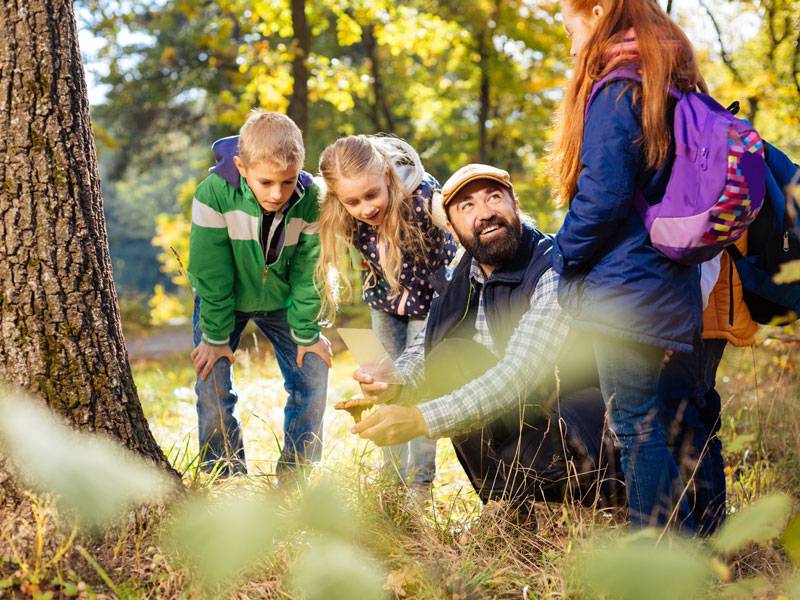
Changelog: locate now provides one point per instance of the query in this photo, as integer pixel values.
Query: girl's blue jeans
(413, 462)
(629, 379)
(690, 414)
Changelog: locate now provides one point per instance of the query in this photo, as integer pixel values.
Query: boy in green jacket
(252, 251)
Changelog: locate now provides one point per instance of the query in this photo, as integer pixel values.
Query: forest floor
(383, 540)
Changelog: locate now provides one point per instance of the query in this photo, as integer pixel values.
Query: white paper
(369, 353)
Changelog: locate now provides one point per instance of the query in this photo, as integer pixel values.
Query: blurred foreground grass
(353, 535)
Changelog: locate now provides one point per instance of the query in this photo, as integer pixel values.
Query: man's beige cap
(470, 173)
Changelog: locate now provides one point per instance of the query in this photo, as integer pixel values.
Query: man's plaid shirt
(529, 358)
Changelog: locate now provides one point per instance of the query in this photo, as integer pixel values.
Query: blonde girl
(378, 200)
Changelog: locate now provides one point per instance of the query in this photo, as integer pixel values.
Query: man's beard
(500, 249)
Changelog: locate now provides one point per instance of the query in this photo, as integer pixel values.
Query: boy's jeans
(629, 378)
(415, 459)
(219, 431)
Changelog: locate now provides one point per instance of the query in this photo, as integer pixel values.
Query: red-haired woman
(633, 303)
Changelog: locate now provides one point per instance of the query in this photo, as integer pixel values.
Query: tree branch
(726, 58)
(796, 64)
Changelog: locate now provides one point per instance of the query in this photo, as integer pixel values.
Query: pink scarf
(627, 50)
(622, 52)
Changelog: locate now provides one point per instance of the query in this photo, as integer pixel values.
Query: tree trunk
(485, 53)
(298, 103)
(484, 105)
(379, 105)
(60, 332)
(796, 64)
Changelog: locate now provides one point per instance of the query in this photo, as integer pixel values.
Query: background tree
(298, 102)
(60, 333)
(761, 67)
(460, 80)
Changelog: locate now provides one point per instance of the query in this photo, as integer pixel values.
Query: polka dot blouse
(415, 277)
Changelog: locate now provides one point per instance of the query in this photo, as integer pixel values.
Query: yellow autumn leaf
(168, 55)
(400, 581)
(348, 31)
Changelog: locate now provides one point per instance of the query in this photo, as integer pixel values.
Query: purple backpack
(718, 179)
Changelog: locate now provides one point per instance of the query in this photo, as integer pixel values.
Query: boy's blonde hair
(273, 138)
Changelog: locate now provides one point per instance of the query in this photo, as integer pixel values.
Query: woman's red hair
(666, 58)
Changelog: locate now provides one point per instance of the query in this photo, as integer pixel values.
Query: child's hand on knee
(322, 349)
(205, 357)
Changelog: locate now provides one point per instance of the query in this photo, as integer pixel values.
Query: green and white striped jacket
(227, 267)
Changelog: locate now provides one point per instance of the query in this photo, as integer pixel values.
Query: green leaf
(740, 442)
(759, 522)
(636, 567)
(791, 586)
(323, 508)
(335, 570)
(791, 540)
(789, 273)
(92, 477)
(222, 540)
(746, 589)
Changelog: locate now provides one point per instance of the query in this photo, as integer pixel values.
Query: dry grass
(446, 547)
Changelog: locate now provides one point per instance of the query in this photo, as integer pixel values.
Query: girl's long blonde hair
(666, 58)
(354, 156)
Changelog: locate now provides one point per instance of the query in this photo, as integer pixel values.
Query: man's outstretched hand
(373, 388)
(392, 424)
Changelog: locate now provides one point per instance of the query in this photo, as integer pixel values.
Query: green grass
(450, 547)
(166, 390)
(760, 425)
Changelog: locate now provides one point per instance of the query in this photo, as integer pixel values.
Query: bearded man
(497, 368)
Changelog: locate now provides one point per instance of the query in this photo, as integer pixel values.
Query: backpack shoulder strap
(626, 73)
(629, 72)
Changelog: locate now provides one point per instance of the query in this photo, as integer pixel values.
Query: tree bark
(484, 105)
(60, 331)
(485, 47)
(298, 102)
(379, 106)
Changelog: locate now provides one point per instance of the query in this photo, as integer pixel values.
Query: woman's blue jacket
(613, 280)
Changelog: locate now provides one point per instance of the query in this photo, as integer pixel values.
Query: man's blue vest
(507, 296)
